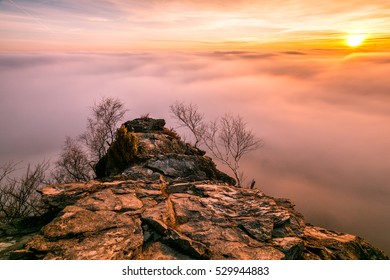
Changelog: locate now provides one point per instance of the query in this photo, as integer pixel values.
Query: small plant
(145, 116)
(171, 132)
(122, 152)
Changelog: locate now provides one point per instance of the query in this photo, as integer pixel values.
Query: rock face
(161, 152)
(175, 204)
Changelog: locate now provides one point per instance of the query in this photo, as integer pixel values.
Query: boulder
(145, 124)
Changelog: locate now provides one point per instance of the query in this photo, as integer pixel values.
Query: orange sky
(119, 25)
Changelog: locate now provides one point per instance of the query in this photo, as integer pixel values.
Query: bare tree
(73, 164)
(102, 126)
(79, 156)
(6, 169)
(227, 139)
(188, 116)
(19, 196)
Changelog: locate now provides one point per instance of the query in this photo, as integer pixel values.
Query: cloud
(294, 53)
(13, 61)
(324, 119)
(118, 24)
(237, 55)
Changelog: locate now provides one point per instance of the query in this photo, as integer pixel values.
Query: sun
(354, 40)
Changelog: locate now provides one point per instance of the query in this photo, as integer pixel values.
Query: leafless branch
(73, 164)
(188, 116)
(102, 126)
(19, 196)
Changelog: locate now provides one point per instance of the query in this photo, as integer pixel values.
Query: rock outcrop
(174, 204)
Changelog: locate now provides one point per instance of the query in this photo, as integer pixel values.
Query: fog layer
(324, 120)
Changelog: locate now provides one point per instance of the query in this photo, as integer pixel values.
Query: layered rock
(162, 152)
(169, 220)
(174, 204)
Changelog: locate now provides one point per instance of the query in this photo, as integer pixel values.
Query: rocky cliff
(173, 203)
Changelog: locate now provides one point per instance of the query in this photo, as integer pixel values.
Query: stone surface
(194, 220)
(173, 204)
(145, 124)
(160, 151)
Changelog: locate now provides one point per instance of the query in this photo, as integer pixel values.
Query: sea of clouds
(324, 119)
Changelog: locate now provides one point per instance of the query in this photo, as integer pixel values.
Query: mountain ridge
(173, 203)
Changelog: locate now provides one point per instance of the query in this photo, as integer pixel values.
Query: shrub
(172, 133)
(122, 152)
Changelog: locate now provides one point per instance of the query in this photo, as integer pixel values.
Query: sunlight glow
(354, 40)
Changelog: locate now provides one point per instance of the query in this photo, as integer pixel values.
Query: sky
(321, 107)
(107, 25)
